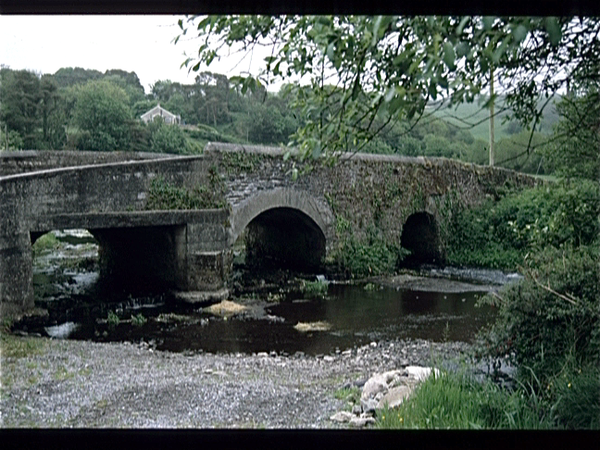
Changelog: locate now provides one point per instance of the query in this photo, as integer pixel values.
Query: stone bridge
(303, 222)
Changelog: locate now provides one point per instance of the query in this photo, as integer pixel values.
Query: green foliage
(11, 141)
(20, 93)
(578, 398)
(163, 195)
(350, 395)
(314, 288)
(102, 114)
(511, 152)
(44, 243)
(574, 150)
(21, 347)
(369, 257)
(499, 234)
(389, 68)
(209, 134)
(166, 138)
(113, 319)
(455, 400)
(552, 315)
(138, 320)
(239, 162)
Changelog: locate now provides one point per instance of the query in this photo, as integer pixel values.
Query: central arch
(283, 228)
(285, 238)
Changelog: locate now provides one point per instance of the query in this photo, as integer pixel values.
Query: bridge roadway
(298, 223)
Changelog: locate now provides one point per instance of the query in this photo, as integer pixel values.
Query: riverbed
(68, 383)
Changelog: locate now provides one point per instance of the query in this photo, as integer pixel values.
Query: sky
(140, 44)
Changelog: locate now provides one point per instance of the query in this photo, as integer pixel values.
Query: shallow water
(349, 314)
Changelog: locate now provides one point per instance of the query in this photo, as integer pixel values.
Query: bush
(550, 322)
(500, 234)
(315, 288)
(370, 258)
(167, 138)
(45, 243)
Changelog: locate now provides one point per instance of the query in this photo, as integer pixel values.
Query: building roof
(158, 111)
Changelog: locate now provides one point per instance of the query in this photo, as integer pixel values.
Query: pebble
(125, 386)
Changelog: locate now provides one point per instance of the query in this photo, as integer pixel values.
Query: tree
(71, 76)
(20, 94)
(166, 138)
(52, 114)
(574, 150)
(102, 115)
(361, 68)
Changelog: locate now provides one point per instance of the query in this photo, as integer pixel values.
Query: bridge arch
(420, 235)
(284, 228)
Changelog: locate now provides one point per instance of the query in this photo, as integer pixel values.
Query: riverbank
(65, 383)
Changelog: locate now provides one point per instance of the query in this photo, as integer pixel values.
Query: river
(430, 305)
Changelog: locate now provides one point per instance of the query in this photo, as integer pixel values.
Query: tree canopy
(362, 74)
(103, 115)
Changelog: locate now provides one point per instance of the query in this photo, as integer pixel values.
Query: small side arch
(420, 235)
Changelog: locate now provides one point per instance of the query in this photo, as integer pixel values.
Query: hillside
(473, 117)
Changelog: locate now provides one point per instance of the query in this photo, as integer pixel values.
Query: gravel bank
(86, 384)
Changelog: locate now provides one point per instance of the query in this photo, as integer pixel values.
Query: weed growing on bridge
(236, 162)
(164, 195)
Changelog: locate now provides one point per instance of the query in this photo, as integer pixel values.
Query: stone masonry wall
(366, 194)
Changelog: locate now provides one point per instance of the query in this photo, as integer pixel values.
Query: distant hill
(474, 117)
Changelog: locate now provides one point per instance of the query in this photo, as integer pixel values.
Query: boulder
(395, 396)
(391, 387)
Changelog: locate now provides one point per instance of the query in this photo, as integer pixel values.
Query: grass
(21, 347)
(351, 395)
(456, 401)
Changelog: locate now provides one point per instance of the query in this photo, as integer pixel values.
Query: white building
(159, 111)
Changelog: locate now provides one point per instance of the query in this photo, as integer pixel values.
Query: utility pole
(492, 155)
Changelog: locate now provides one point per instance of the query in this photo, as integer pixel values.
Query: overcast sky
(140, 44)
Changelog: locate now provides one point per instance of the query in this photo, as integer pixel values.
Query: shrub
(373, 257)
(550, 318)
(45, 242)
(138, 320)
(499, 234)
(315, 288)
(113, 319)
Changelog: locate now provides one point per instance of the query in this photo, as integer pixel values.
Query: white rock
(394, 397)
(374, 385)
(342, 417)
(360, 422)
(420, 373)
